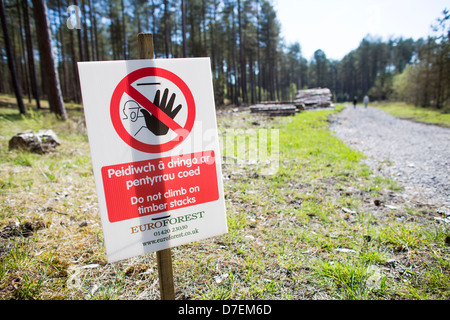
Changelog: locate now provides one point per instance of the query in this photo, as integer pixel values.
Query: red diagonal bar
(153, 109)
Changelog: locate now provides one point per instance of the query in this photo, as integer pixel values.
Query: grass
(309, 231)
(426, 115)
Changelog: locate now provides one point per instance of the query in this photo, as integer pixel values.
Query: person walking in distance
(355, 99)
(366, 101)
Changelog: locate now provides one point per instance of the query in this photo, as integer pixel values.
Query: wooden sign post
(164, 257)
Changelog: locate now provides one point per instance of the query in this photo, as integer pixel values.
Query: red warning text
(152, 186)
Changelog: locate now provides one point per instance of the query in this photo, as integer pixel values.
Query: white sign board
(153, 137)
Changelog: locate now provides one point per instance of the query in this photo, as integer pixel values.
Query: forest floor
(323, 225)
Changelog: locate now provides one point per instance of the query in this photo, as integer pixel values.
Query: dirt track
(415, 154)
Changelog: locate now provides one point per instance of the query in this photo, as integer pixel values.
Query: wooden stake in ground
(163, 257)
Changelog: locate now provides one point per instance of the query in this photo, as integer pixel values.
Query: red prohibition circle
(124, 86)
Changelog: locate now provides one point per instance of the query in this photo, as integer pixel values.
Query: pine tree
(11, 63)
(46, 54)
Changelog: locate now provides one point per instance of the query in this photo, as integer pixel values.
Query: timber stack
(274, 108)
(305, 100)
(314, 98)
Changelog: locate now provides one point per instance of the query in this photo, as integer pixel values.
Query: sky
(338, 26)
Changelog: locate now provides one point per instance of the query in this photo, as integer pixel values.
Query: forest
(43, 40)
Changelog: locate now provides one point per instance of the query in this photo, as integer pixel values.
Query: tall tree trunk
(243, 70)
(270, 66)
(75, 83)
(31, 64)
(63, 52)
(54, 89)
(166, 27)
(98, 56)
(92, 31)
(23, 66)
(440, 73)
(112, 32)
(85, 31)
(234, 67)
(258, 36)
(124, 29)
(203, 24)
(154, 19)
(252, 79)
(11, 64)
(80, 39)
(44, 82)
(183, 26)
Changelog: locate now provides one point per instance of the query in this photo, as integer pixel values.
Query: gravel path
(415, 154)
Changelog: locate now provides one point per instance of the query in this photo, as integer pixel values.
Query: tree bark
(31, 64)
(166, 27)
(183, 27)
(23, 66)
(85, 32)
(80, 38)
(75, 84)
(124, 30)
(54, 88)
(63, 52)
(92, 31)
(11, 64)
(243, 70)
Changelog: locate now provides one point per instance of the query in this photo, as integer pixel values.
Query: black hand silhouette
(153, 123)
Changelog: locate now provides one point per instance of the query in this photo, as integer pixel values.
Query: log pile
(305, 100)
(274, 109)
(314, 98)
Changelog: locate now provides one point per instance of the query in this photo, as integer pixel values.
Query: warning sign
(152, 125)
(155, 155)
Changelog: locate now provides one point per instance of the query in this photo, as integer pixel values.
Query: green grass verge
(426, 115)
